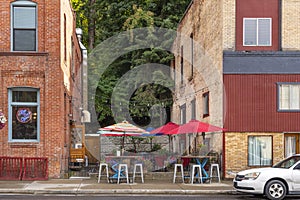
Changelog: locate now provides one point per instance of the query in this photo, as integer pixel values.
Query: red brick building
(40, 59)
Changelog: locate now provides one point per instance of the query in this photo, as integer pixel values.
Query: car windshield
(288, 162)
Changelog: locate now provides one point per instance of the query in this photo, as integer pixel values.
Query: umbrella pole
(123, 145)
(169, 143)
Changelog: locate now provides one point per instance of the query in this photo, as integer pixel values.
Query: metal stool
(141, 172)
(175, 172)
(216, 166)
(100, 171)
(123, 168)
(196, 173)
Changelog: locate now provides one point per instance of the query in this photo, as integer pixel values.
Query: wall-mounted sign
(2, 120)
(24, 115)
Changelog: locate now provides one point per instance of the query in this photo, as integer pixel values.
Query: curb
(117, 191)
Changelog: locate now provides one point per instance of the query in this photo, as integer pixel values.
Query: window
(181, 65)
(65, 37)
(183, 114)
(23, 114)
(193, 109)
(289, 96)
(192, 56)
(205, 104)
(257, 32)
(260, 151)
(24, 30)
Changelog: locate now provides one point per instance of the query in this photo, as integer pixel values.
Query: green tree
(103, 19)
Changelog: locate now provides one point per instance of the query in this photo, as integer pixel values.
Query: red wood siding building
(252, 104)
(259, 132)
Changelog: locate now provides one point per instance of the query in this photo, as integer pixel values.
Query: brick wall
(203, 19)
(236, 150)
(290, 25)
(45, 70)
(229, 24)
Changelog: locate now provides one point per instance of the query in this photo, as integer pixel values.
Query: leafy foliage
(103, 19)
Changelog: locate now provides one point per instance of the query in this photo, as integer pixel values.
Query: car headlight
(252, 176)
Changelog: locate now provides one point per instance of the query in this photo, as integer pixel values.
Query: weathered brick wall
(41, 70)
(290, 25)
(204, 20)
(236, 150)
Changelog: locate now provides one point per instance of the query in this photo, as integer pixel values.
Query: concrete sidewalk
(91, 186)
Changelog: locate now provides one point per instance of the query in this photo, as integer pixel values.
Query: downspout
(84, 71)
(223, 157)
(280, 25)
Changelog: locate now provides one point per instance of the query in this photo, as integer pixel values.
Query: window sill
(205, 115)
(23, 144)
(23, 53)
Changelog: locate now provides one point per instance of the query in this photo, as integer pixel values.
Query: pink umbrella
(194, 126)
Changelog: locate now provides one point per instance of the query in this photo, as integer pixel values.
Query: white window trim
(279, 97)
(257, 32)
(254, 164)
(10, 104)
(22, 4)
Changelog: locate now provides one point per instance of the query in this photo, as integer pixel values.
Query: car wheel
(275, 190)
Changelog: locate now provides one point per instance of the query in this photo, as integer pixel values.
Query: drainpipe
(223, 156)
(280, 25)
(84, 73)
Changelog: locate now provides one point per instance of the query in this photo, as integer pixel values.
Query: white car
(275, 182)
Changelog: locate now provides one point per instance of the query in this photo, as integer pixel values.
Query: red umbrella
(194, 126)
(165, 128)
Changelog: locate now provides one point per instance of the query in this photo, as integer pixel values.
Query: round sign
(24, 115)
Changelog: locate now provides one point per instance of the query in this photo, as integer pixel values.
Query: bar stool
(214, 166)
(175, 172)
(140, 172)
(123, 168)
(196, 173)
(105, 165)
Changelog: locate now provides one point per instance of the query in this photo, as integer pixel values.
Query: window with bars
(257, 32)
(24, 26)
(289, 96)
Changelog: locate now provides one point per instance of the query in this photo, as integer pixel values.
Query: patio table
(114, 162)
(200, 160)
